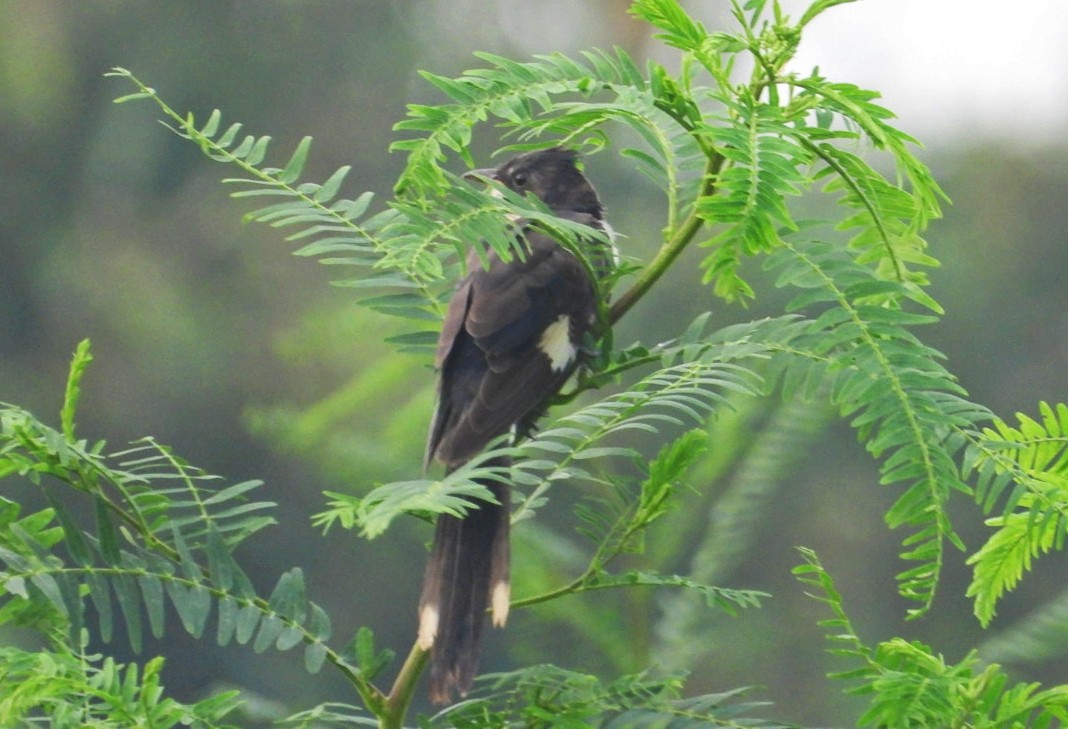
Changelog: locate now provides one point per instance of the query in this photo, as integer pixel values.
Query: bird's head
(553, 176)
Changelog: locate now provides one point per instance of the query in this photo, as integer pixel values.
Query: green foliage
(909, 685)
(763, 166)
(547, 696)
(69, 690)
(515, 93)
(1032, 458)
(403, 252)
(904, 404)
(731, 155)
(161, 534)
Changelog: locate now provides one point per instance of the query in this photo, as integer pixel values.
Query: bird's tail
(467, 572)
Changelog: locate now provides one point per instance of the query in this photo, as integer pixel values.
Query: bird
(512, 335)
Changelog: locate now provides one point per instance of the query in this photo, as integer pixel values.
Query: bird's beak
(486, 173)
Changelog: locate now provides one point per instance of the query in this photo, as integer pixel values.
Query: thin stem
(580, 583)
(601, 558)
(595, 381)
(392, 711)
(574, 586)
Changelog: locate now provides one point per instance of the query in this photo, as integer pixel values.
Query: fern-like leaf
(66, 689)
(1034, 519)
(510, 91)
(162, 533)
(909, 685)
(764, 167)
(904, 404)
(546, 693)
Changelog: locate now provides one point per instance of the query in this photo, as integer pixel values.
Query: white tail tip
(428, 627)
(500, 601)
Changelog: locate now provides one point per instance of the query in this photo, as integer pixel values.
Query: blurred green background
(211, 337)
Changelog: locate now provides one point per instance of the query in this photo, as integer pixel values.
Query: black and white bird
(512, 336)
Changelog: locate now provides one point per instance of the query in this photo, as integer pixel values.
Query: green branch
(671, 248)
(393, 708)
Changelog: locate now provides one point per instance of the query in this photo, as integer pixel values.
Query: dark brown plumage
(512, 336)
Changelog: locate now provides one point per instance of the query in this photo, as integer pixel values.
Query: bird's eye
(519, 179)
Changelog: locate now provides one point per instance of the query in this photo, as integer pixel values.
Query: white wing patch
(555, 343)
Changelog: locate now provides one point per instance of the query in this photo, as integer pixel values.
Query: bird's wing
(509, 340)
